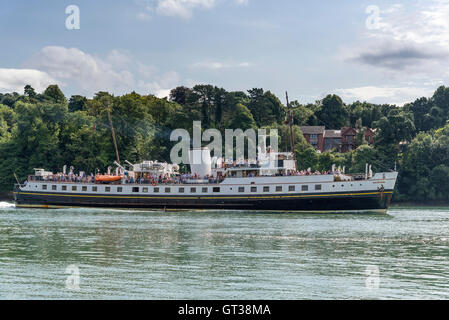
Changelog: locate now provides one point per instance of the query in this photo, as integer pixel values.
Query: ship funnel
(200, 162)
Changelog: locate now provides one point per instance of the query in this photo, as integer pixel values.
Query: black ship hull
(316, 202)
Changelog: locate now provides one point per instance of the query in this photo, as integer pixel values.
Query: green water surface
(131, 254)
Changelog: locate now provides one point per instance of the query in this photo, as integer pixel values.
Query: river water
(132, 254)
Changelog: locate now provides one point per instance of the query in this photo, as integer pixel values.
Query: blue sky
(151, 46)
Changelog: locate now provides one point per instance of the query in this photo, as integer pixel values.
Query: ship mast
(290, 123)
(112, 132)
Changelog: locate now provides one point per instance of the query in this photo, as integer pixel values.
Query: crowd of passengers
(61, 177)
(148, 179)
(82, 177)
(172, 179)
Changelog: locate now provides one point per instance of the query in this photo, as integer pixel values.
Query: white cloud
(162, 85)
(427, 23)
(14, 80)
(215, 65)
(116, 72)
(118, 59)
(391, 95)
(177, 8)
(412, 37)
(91, 74)
(182, 8)
(409, 51)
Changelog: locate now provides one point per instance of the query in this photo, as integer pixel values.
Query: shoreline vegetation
(6, 196)
(48, 130)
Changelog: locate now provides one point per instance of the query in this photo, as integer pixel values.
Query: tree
(54, 94)
(36, 136)
(308, 158)
(441, 99)
(29, 91)
(361, 156)
(77, 103)
(398, 126)
(368, 112)
(303, 115)
(180, 95)
(9, 99)
(243, 119)
(333, 113)
(265, 107)
(327, 159)
(427, 115)
(424, 167)
(439, 179)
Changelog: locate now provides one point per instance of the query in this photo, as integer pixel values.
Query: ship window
(73, 188)
(167, 190)
(318, 187)
(278, 188)
(291, 188)
(135, 189)
(181, 190)
(156, 190)
(107, 189)
(304, 188)
(44, 187)
(241, 189)
(53, 187)
(119, 189)
(266, 189)
(84, 188)
(253, 189)
(64, 188)
(94, 189)
(192, 190)
(216, 189)
(204, 190)
(145, 189)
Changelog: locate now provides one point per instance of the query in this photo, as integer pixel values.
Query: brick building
(314, 135)
(344, 140)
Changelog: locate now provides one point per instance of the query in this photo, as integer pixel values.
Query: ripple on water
(233, 255)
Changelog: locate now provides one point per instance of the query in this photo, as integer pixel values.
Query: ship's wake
(4, 204)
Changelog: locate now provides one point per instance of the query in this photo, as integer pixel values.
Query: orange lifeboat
(107, 178)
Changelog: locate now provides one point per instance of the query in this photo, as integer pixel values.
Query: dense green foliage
(48, 130)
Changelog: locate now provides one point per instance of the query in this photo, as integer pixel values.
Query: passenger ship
(271, 183)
